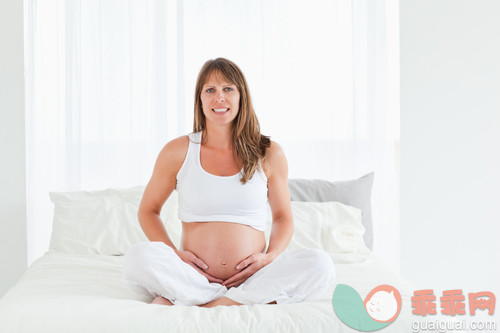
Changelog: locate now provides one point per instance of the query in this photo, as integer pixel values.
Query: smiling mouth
(222, 110)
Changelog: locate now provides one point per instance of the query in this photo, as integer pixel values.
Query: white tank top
(204, 197)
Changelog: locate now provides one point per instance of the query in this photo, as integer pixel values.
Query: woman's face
(220, 100)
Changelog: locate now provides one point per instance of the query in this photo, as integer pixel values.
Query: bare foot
(220, 301)
(162, 301)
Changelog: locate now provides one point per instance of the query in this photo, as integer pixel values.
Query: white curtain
(110, 82)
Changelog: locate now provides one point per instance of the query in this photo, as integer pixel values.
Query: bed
(77, 287)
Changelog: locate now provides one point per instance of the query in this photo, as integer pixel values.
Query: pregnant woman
(225, 173)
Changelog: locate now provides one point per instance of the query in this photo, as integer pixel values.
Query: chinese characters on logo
(452, 302)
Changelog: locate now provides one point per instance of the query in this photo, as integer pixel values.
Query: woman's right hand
(198, 264)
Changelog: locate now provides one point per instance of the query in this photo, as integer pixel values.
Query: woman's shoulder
(274, 151)
(275, 159)
(175, 150)
(180, 143)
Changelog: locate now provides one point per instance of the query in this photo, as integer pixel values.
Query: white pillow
(331, 226)
(105, 222)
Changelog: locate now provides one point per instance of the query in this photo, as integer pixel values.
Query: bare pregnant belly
(222, 245)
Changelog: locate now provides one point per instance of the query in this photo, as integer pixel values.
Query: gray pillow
(356, 193)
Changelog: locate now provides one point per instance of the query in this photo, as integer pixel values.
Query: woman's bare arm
(159, 188)
(279, 200)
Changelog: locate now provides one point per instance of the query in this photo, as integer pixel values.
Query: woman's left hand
(248, 267)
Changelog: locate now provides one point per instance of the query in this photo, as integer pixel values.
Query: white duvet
(84, 293)
(77, 285)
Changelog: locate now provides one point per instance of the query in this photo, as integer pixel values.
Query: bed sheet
(84, 293)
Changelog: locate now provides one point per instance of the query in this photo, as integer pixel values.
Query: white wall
(12, 152)
(450, 144)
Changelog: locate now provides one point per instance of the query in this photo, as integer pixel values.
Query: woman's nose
(220, 97)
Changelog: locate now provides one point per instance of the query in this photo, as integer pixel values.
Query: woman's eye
(211, 90)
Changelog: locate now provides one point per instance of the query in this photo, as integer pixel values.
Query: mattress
(77, 285)
(84, 293)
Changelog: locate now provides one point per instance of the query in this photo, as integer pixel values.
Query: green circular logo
(380, 307)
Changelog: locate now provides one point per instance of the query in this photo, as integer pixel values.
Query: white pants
(154, 269)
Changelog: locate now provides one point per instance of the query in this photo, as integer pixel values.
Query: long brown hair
(249, 145)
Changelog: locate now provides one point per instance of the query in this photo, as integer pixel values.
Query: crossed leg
(272, 280)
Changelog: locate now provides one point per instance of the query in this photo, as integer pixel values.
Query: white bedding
(84, 293)
(77, 285)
